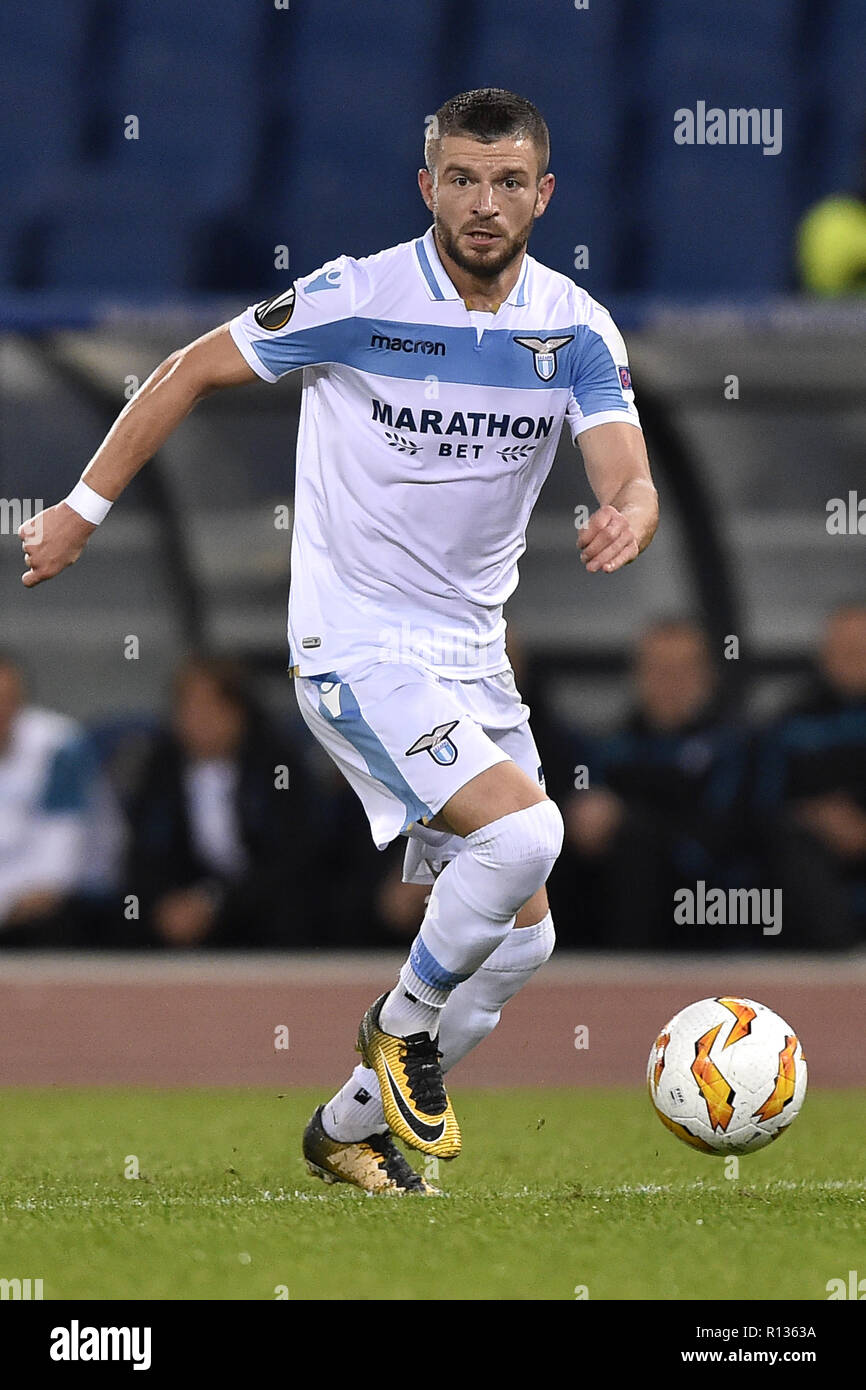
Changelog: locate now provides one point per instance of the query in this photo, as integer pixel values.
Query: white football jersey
(426, 432)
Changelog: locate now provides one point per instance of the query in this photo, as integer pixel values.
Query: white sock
(356, 1110)
(475, 1007)
(403, 1014)
(471, 909)
(472, 1012)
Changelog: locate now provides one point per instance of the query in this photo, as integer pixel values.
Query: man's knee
(514, 855)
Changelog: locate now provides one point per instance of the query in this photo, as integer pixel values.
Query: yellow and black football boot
(416, 1104)
(374, 1164)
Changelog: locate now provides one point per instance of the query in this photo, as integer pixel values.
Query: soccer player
(437, 377)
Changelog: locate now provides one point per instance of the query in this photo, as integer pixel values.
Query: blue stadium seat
(841, 77)
(40, 111)
(720, 217)
(189, 74)
(36, 38)
(342, 178)
(567, 62)
(102, 237)
(304, 127)
(722, 42)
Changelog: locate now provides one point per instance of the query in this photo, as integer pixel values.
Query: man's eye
(511, 183)
(462, 180)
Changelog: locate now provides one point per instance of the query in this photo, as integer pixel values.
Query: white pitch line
(111, 1202)
(778, 1185)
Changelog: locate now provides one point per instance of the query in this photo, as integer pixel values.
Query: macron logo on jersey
(425, 345)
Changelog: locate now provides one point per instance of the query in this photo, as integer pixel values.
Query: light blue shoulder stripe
(521, 288)
(427, 269)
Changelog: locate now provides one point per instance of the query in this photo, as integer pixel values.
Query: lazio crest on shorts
(441, 748)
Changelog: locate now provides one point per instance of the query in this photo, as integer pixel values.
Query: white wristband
(87, 503)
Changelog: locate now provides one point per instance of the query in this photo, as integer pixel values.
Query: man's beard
(489, 267)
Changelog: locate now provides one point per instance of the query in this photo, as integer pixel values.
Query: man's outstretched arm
(56, 537)
(618, 470)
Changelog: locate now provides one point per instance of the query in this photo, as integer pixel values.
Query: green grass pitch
(556, 1191)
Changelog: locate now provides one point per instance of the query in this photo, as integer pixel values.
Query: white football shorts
(406, 740)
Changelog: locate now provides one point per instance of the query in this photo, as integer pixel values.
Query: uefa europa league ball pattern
(727, 1075)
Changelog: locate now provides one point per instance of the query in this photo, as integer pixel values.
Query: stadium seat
(261, 127)
(99, 236)
(40, 109)
(188, 73)
(719, 218)
(585, 124)
(841, 78)
(340, 173)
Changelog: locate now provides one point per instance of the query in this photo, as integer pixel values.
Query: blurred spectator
(361, 901)
(220, 845)
(659, 810)
(552, 736)
(401, 906)
(45, 784)
(810, 792)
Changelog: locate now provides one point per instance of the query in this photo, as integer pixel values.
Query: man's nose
(485, 202)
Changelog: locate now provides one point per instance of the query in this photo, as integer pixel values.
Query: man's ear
(426, 185)
(546, 185)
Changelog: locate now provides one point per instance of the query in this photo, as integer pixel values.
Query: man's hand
(837, 821)
(619, 474)
(592, 819)
(607, 541)
(37, 903)
(51, 540)
(185, 916)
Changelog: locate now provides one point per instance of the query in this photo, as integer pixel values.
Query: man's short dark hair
(228, 677)
(674, 625)
(488, 114)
